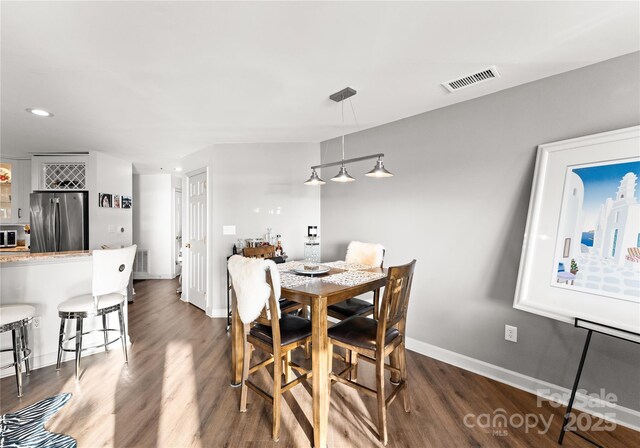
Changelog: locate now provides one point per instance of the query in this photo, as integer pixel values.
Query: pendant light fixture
(379, 170)
(343, 176)
(314, 179)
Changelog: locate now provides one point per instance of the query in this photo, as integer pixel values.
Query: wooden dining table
(318, 295)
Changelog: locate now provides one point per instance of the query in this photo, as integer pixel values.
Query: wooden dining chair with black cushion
(286, 306)
(278, 337)
(372, 340)
(355, 306)
(259, 252)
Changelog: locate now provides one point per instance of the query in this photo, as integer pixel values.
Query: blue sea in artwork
(587, 238)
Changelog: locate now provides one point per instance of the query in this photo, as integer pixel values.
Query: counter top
(48, 256)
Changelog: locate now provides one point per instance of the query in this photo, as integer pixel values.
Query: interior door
(196, 237)
(177, 258)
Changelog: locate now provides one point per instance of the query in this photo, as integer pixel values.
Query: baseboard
(218, 312)
(142, 276)
(597, 407)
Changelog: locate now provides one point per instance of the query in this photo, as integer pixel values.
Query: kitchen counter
(25, 256)
(44, 280)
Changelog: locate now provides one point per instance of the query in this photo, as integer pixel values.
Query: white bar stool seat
(111, 271)
(86, 303)
(16, 318)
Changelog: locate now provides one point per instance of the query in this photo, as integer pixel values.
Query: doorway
(177, 232)
(195, 249)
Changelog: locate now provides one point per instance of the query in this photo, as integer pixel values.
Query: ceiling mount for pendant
(343, 176)
(342, 95)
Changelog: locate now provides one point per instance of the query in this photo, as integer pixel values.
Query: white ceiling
(157, 80)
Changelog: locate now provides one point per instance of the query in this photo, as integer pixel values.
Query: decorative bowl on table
(312, 269)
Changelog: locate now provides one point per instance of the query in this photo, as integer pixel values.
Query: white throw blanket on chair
(365, 253)
(251, 287)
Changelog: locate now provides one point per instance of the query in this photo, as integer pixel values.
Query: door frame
(185, 225)
(174, 208)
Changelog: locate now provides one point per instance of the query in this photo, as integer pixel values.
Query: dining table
(318, 292)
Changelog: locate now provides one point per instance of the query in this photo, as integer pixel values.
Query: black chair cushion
(292, 329)
(352, 307)
(360, 332)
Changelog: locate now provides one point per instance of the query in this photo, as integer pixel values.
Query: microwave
(8, 238)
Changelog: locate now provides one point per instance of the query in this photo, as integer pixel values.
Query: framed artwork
(105, 200)
(126, 201)
(116, 201)
(581, 251)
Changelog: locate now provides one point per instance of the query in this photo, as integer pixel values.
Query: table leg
(320, 375)
(236, 344)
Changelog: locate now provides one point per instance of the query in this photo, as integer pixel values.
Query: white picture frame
(540, 288)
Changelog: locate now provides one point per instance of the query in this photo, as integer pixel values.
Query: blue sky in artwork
(602, 182)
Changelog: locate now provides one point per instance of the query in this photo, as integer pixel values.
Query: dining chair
(359, 253)
(373, 340)
(277, 337)
(259, 252)
(286, 306)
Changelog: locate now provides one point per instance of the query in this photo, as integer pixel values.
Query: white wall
(248, 184)
(113, 175)
(153, 221)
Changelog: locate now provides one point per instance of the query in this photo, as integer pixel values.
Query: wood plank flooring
(175, 393)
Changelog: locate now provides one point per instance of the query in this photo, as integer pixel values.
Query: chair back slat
(395, 301)
(273, 312)
(259, 252)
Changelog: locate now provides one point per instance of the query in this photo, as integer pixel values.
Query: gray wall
(458, 204)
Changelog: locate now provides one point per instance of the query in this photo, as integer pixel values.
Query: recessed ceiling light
(40, 112)
(178, 168)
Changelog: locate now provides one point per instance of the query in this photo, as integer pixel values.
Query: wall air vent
(472, 79)
(141, 263)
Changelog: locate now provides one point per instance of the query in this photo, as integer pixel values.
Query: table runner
(352, 278)
(348, 266)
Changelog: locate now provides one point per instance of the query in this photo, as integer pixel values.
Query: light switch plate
(228, 230)
(511, 333)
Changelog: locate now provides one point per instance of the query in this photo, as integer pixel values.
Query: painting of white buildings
(598, 245)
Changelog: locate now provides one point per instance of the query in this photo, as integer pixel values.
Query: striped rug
(25, 428)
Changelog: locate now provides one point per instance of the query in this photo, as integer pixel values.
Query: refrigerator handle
(56, 224)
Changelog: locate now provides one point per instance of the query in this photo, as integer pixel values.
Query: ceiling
(154, 81)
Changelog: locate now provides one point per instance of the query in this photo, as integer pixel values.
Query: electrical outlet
(37, 322)
(511, 333)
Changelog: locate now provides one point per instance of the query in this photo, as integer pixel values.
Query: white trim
(144, 276)
(623, 416)
(217, 312)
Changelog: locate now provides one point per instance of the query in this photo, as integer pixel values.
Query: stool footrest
(93, 346)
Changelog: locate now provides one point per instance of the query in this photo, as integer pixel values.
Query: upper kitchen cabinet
(15, 186)
(59, 172)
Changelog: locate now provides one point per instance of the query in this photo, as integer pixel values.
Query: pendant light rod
(343, 162)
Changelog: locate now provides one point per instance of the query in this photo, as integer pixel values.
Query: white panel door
(196, 246)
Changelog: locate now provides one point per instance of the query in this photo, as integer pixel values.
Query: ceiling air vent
(473, 79)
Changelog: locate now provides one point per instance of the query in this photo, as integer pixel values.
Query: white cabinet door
(8, 187)
(14, 197)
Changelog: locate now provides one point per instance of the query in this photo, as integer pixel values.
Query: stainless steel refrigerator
(59, 221)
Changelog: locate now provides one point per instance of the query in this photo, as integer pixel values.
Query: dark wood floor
(175, 393)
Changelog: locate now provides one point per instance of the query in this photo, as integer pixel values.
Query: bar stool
(111, 271)
(16, 318)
